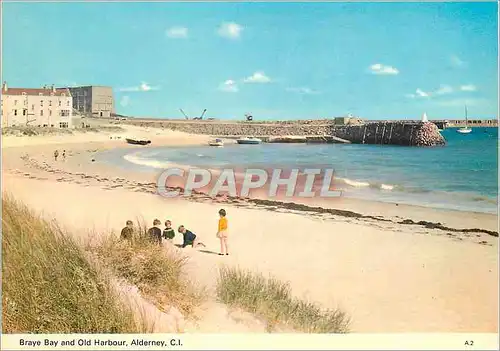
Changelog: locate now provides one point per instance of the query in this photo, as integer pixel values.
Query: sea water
(461, 175)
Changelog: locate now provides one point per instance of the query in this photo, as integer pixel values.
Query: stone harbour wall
(387, 133)
(391, 133)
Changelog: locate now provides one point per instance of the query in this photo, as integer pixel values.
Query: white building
(45, 107)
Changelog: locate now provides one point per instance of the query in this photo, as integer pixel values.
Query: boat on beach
(216, 142)
(249, 140)
(138, 141)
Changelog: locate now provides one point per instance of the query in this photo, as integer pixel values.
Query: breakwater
(387, 133)
(391, 133)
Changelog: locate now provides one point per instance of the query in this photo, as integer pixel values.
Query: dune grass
(33, 130)
(272, 300)
(158, 272)
(48, 284)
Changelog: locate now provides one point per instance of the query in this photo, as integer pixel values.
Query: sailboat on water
(466, 129)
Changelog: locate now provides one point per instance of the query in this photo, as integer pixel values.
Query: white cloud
(379, 68)
(124, 101)
(444, 89)
(229, 86)
(456, 61)
(257, 77)
(422, 93)
(177, 32)
(468, 87)
(230, 30)
(142, 87)
(303, 90)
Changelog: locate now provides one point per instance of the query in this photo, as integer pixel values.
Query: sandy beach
(388, 273)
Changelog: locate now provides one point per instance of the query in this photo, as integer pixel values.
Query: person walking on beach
(222, 232)
(154, 233)
(64, 155)
(56, 154)
(189, 238)
(128, 231)
(168, 232)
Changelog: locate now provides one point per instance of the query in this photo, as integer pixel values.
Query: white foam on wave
(354, 183)
(133, 158)
(362, 184)
(386, 187)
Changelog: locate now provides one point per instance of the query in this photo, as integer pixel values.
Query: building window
(41, 102)
(26, 102)
(67, 103)
(59, 103)
(50, 102)
(24, 112)
(15, 102)
(33, 107)
(41, 112)
(63, 124)
(50, 112)
(15, 112)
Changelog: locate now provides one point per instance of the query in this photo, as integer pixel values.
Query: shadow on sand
(209, 252)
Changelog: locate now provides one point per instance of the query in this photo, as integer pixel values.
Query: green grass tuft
(158, 272)
(48, 284)
(272, 300)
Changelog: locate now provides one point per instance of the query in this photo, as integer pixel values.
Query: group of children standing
(156, 234)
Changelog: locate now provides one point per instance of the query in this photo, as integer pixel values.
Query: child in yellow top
(222, 232)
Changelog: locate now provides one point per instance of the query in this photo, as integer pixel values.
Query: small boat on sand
(249, 140)
(216, 142)
(138, 141)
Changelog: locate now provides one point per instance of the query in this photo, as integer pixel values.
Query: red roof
(37, 92)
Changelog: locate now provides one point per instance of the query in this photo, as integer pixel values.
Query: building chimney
(4, 86)
(53, 88)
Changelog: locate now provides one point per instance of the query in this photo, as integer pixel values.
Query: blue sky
(274, 60)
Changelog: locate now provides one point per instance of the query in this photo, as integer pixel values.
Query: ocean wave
(354, 183)
(386, 187)
(364, 184)
(133, 158)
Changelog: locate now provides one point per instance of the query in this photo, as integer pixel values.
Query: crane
(195, 118)
(184, 114)
(202, 114)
